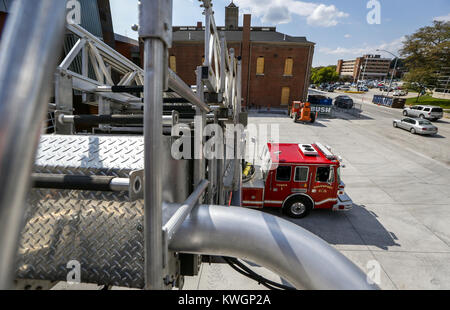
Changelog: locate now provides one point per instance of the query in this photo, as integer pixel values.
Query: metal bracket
(158, 24)
(136, 191)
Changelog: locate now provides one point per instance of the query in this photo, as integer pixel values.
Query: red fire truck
(297, 178)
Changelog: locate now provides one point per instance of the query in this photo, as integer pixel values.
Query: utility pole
(395, 68)
(365, 67)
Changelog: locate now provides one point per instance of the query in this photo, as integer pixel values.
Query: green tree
(324, 75)
(425, 53)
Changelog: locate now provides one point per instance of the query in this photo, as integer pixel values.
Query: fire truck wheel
(298, 207)
(313, 118)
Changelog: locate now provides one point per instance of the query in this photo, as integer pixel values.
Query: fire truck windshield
(324, 175)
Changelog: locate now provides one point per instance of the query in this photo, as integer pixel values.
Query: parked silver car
(416, 126)
(424, 111)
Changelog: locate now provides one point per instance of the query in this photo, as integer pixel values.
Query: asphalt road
(379, 120)
(399, 184)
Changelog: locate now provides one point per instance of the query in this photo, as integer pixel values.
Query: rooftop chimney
(232, 17)
(199, 25)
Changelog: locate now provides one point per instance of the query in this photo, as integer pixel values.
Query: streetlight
(395, 68)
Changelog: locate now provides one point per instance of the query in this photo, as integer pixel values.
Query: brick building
(368, 67)
(275, 66)
(129, 48)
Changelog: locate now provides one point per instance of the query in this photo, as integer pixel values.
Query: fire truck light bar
(308, 150)
(328, 154)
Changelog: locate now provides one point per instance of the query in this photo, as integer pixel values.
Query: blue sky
(339, 28)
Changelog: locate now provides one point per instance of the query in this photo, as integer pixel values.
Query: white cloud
(347, 36)
(443, 18)
(326, 16)
(283, 11)
(351, 52)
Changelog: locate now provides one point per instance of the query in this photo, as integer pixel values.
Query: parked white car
(425, 112)
(400, 92)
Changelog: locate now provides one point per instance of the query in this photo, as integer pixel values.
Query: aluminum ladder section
(300, 267)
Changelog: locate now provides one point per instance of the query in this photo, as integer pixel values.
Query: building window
(288, 66)
(285, 93)
(173, 63)
(260, 66)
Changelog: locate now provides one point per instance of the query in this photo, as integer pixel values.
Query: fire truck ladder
(118, 209)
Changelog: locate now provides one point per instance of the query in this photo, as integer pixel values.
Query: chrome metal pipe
(298, 256)
(30, 47)
(182, 89)
(120, 184)
(172, 226)
(167, 120)
(153, 133)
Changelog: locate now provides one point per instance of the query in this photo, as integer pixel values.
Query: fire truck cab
(297, 178)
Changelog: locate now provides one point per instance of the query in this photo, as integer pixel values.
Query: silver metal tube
(182, 89)
(137, 130)
(120, 185)
(169, 120)
(66, 119)
(153, 112)
(30, 47)
(299, 257)
(172, 226)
